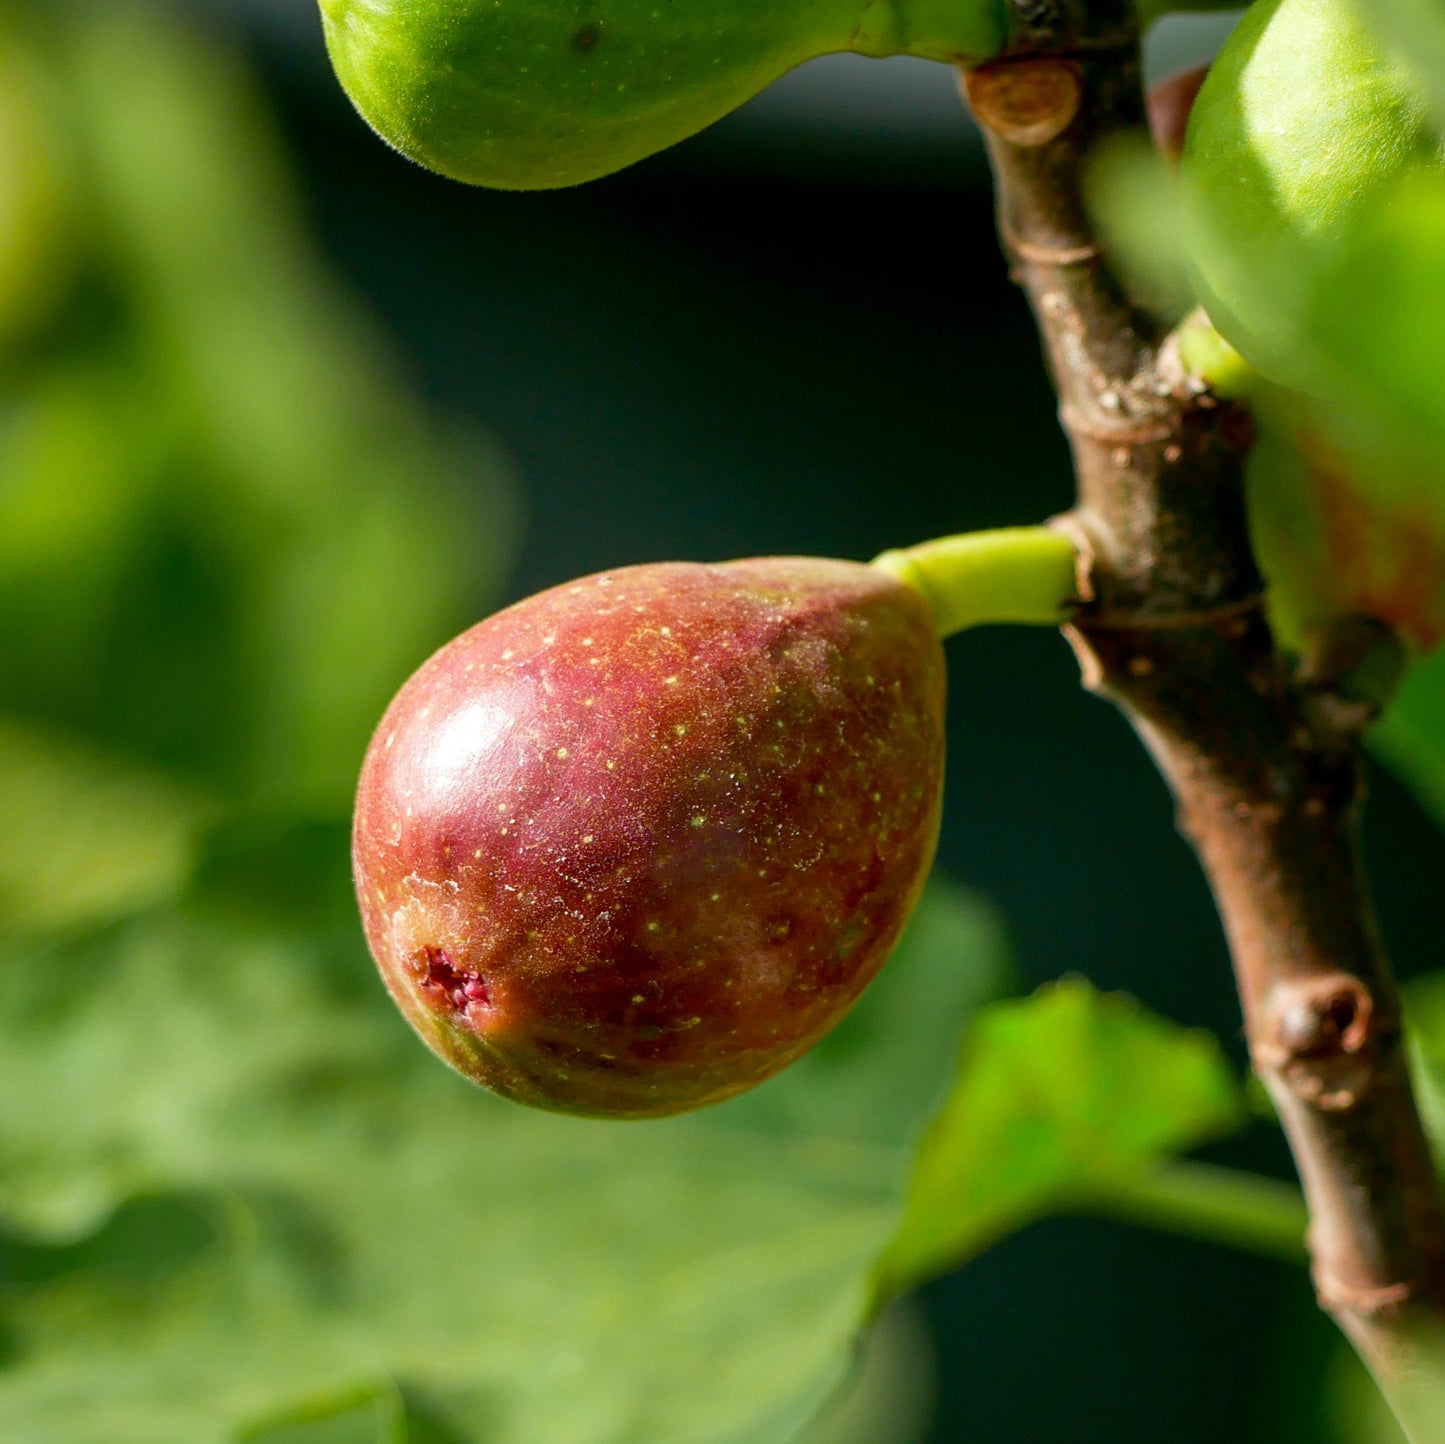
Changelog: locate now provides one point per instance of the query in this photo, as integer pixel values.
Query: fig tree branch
(1263, 757)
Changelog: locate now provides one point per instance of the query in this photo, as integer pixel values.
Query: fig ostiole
(634, 844)
(529, 94)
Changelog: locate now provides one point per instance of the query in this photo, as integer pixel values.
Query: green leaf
(1134, 197)
(37, 250)
(1371, 313)
(1355, 1405)
(227, 531)
(353, 526)
(893, 1388)
(1058, 1098)
(1425, 1016)
(1411, 737)
(239, 1193)
(87, 837)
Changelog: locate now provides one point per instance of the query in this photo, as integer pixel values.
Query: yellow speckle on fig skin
(573, 949)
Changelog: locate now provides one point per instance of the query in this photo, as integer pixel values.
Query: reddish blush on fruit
(636, 843)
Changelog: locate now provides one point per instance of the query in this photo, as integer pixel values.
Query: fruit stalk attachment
(1013, 574)
(1264, 763)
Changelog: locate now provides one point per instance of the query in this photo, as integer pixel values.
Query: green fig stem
(1206, 354)
(1014, 574)
(1212, 1203)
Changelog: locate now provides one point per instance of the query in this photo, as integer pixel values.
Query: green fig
(1300, 129)
(634, 844)
(530, 94)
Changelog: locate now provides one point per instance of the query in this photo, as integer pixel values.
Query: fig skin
(1302, 126)
(636, 843)
(532, 94)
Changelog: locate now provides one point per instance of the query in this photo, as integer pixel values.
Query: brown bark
(1263, 762)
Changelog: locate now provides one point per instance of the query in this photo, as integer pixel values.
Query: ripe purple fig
(636, 843)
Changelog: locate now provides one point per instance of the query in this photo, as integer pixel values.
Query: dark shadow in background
(708, 356)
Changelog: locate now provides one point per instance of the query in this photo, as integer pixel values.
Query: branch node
(1125, 432)
(1026, 101)
(1320, 1038)
(1376, 1302)
(1043, 255)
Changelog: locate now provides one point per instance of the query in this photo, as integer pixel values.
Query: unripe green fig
(530, 94)
(1302, 125)
(634, 844)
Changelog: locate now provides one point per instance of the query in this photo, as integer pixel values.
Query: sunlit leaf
(1056, 1095)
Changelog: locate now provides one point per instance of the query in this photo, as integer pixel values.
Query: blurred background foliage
(274, 409)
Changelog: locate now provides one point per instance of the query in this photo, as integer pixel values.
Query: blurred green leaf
(890, 1397)
(1134, 197)
(1411, 738)
(365, 1221)
(77, 473)
(227, 531)
(87, 837)
(1057, 1096)
(37, 249)
(1356, 1407)
(1425, 1015)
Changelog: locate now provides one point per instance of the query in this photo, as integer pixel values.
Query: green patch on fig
(632, 845)
(529, 94)
(37, 192)
(1415, 31)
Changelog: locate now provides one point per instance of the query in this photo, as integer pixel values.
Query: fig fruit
(1334, 539)
(634, 844)
(1302, 125)
(529, 94)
